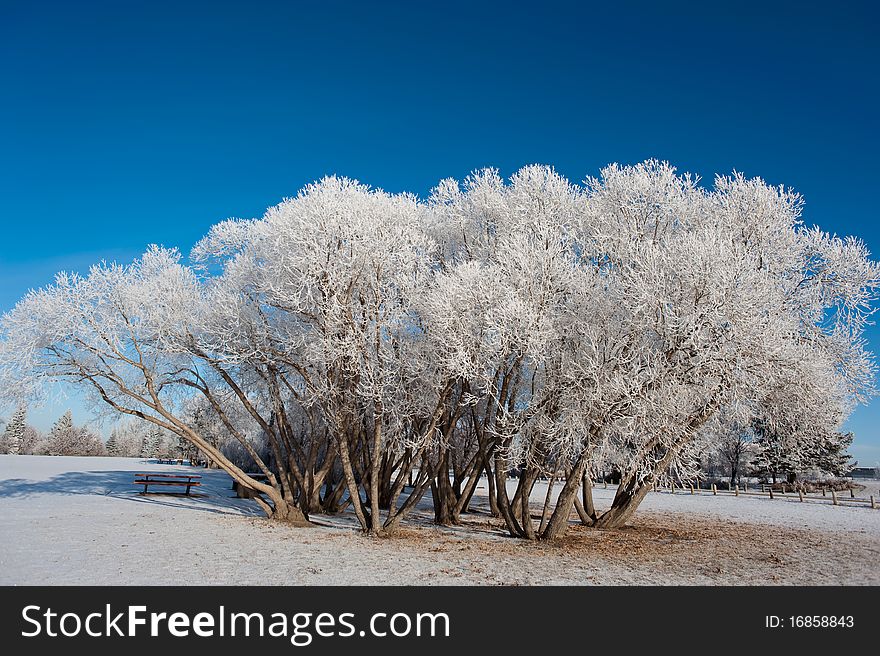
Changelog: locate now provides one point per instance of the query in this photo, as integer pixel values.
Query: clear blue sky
(127, 123)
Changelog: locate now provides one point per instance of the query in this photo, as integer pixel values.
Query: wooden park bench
(146, 480)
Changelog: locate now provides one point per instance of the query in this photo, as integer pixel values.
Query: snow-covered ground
(82, 521)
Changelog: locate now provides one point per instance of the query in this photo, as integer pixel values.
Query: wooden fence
(844, 498)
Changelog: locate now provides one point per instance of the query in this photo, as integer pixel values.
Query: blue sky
(124, 124)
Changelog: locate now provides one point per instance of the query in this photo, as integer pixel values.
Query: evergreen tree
(152, 445)
(184, 449)
(15, 429)
(784, 457)
(64, 424)
(129, 439)
(62, 435)
(829, 454)
(65, 439)
(155, 443)
(778, 457)
(112, 445)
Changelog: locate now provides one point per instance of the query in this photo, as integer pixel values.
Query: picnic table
(243, 492)
(147, 479)
(172, 461)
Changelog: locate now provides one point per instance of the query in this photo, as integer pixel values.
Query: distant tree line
(758, 451)
(133, 439)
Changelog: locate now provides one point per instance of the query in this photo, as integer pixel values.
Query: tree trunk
(586, 520)
(285, 511)
(465, 495)
(526, 483)
(443, 497)
(589, 505)
(503, 500)
(545, 511)
(386, 473)
(490, 490)
(629, 495)
(375, 465)
(631, 491)
(351, 483)
(559, 520)
(331, 504)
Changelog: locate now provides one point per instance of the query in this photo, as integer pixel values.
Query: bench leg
(145, 488)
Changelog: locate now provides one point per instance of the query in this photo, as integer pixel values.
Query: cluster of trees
(136, 439)
(360, 348)
(19, 437)
(63, 439)
(128, 438)
(756, 451)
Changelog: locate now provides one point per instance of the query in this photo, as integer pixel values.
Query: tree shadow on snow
(213, 495)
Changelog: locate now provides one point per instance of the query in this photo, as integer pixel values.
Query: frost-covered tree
(33, 442)
(500, 319)
(154, 443)
(121, 334)
(359, 348)
(66, 439)
(830, 454)
(127, 435)
(825, 453)
(62, 436)
(112, 446)
(738, 304)
(162, 444)
(314, 309)
(735, 449)
(729, 444)
(14, 434)
(616, 322)
(778, 455)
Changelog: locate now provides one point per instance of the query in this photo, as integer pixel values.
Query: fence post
(833, 496)
(852, 493)
(823, 491)
(873, 505)
(800, 494)
(692, 488)
(771, 492)
(736, 490)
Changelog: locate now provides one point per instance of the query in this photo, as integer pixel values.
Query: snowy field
(81, 521)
